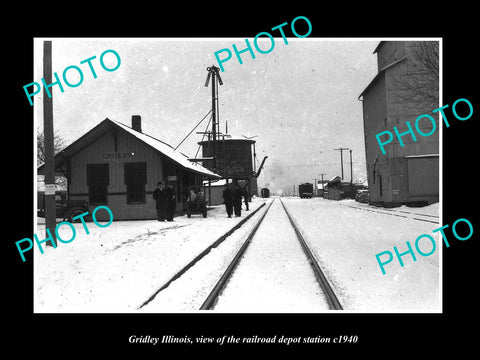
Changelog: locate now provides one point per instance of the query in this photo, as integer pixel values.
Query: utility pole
(50, 208)
(323, 188)
(316, 187)
(341, 157)
(351, 167)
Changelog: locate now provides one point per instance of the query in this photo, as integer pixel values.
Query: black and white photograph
(260, 188)
(274, 182)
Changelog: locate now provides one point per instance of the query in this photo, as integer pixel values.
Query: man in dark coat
(171, 201)
(237, 200)
(160, 196)
(228, 199)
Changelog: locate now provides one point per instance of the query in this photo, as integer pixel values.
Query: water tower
(231, 157)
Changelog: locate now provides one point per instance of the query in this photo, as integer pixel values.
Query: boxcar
(265, 193)
(305, 190)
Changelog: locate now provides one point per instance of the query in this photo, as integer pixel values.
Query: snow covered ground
(188, 292)
(345, 242)
(274, 274)
(116, 268)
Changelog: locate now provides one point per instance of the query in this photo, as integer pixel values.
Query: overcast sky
(301, 99)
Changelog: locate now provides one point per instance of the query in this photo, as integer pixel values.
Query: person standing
(246, 195)
(237, 200)
(228, 199)
(171, 201)
(160, 196)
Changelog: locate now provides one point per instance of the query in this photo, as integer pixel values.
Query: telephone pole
(50, 208)
(323, 189)
(341, 157)
(351, 167)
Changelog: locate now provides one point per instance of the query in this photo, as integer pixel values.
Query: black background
(381, 335)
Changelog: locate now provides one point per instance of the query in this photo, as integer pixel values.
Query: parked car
(362, 196)
(66, 209)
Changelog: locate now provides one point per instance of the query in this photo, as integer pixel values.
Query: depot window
(97, 182)
(135, 179)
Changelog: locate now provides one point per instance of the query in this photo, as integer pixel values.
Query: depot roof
(160, 146)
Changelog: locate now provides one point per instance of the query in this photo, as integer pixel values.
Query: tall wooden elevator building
(406, 174)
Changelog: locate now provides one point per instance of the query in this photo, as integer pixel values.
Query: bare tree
(422, 78)
(58, 145)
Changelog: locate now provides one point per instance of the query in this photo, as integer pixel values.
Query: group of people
(165, 201)
(232, 197)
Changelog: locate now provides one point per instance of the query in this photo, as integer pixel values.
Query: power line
(203, 137)
(181, 142)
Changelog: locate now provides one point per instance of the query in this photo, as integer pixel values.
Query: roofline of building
(421, 156)
(228, 139)
(380, 72)
(378, 46)
(65, 152)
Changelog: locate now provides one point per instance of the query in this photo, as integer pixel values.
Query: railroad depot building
(119, 166)
(406, 174)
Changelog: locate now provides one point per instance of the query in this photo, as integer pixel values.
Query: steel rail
(213, 296)
(201, 255)
(332, 299)
(391, 213)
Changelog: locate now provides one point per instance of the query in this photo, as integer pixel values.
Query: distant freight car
(265, 193)
(305, 190)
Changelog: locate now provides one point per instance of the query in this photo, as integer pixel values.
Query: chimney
(137, 123)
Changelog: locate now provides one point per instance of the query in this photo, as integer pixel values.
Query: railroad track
(434, 219)
(200, 256)
(194, 273)
(326, 290)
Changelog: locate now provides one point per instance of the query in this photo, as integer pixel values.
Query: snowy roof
(221, 182)
(167, 150)
(421, 156)
(229, 137)
(335, 178)
(162, 147)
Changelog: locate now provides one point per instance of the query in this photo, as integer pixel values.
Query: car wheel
(74, 213)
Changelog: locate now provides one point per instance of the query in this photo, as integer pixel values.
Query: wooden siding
(116, 148)
(101, 150)
(121, 210)
(234, 158)
(387, 103)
